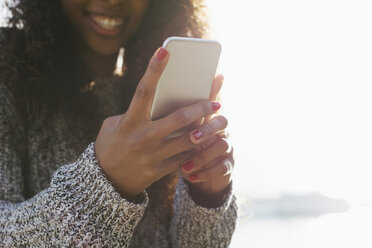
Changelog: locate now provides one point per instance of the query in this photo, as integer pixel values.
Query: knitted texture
(48, 198)
(217, 224)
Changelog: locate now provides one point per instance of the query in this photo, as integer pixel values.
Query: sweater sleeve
(196, 226)
(80, 208)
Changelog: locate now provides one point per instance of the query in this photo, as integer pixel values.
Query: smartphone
(187, 78)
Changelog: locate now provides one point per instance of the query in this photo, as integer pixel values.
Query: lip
(102, 31)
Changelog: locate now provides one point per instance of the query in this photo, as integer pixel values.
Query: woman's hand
(132, 150)
(209, 167)
(209, 170)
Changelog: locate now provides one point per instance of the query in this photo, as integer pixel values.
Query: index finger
(184, 117)
(216, 87)
(142, 100)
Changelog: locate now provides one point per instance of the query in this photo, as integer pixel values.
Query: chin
(105, 48)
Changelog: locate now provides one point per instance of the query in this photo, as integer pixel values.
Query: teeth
(106, 22)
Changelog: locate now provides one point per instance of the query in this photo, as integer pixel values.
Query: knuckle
(141, 91)
(185, 157)
(228, 167)
(200, 160)
(147, 161)
(149, 173)
(109, 122)
(225, 134)
(180, 159)
(151, 133)
(186, 141)
(207, 174)
(207, 129)
(205, 109)
(106, 122)
(225, 169)
(225, 146)
(145, 136)
(137, 145)
(183, 116)
(222, 120)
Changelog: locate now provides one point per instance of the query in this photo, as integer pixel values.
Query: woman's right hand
(134, 151)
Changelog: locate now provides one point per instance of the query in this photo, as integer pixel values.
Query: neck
(98, 65)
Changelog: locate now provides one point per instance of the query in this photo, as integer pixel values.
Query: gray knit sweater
(52, 196)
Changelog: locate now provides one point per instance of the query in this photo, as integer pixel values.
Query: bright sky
(298, 93)
(2, 13)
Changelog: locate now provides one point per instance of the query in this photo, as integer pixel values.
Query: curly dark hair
(39, 63)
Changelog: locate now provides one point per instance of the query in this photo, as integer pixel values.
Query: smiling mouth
(106, 22)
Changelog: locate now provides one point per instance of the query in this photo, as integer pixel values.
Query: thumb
(216, 87)
(143, 97)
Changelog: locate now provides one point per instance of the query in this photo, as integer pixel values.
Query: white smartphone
(188, 76)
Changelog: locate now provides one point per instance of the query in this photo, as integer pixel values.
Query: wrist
(207, 199)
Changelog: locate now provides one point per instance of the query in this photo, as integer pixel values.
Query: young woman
(62, 184)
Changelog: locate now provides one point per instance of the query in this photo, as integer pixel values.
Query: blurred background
(298, 95)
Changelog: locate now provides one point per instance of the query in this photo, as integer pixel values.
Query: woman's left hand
(210, 166)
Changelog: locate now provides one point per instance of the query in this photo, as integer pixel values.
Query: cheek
(72, 10)
(139, 8)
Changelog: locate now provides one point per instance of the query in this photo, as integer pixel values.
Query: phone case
(188, 76)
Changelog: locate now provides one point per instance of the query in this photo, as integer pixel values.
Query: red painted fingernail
(188, 166)
(162, 53)
(197, 134)
(194, 177)
(216, 106)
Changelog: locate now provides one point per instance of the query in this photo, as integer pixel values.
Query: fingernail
(216, 106)
(188, 166)
(197, 134)
(162, 53)
(193, 177)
